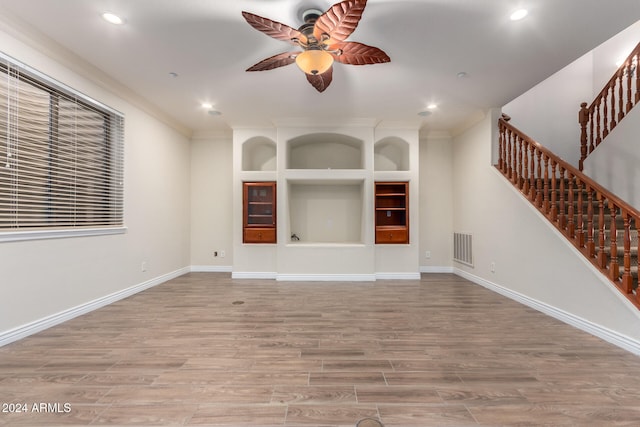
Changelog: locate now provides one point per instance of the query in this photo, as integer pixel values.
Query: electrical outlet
(427, 254)
(143, 266)
(223, 254)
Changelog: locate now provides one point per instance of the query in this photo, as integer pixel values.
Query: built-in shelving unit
(259, 212)
(259, 154)
(392, 212)
(391, 154)
(325, 151)
(342, 202)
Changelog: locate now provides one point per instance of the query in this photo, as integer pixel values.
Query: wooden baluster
(525, 173)
(514, 159)
(580, 222)
(545, 195)
(627, 279)
(532, 178)
(620, 95)
(605, 115)
(554, 191)
(562, 220)
(509, 143)
(592, 145)
(539, 180)
(629, 82)
(520, 163)
(613, 104)
(583, 118)
(614, 266)
(598, 121)
(500, 146)
(637, 73)
(591, 246)
(602, 255)
(571, 228)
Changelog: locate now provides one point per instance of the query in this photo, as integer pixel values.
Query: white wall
(548, 112)
(531, 259)
(211, 202)
(43, 278)
(436, 202)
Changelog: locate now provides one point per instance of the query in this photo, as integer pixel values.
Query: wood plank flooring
(205, 350)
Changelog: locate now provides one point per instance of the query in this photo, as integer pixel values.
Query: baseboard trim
(397, 276)
(436, 269)
(211, 269)
(599, 331)
(254, 275)
(326, 277)
(31, 328)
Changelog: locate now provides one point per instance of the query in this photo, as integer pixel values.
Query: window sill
(18, 236)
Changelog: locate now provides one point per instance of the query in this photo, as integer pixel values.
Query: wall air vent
(463, 248)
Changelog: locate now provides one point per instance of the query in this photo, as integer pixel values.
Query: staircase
(603, 227)
(613, 103)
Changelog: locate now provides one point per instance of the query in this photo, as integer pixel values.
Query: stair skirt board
(612, 337)
(7, 337)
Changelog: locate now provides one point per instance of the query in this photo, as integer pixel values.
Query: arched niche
(325, 151)
(391, 154)
(259, 154)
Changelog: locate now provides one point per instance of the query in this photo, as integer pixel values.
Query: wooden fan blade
(321, 81)
(275, 61)
(355, 53)
(340, 20)
(273, 29)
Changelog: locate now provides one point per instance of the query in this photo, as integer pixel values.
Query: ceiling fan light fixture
(314, 61)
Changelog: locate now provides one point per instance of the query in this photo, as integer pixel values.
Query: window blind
(61, 155)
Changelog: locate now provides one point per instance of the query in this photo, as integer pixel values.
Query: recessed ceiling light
(112, 18)
(173, 74)
(424, 113)
(519, 14)
(214, 113)
(207, 105)
(432, 106)
(462, 74)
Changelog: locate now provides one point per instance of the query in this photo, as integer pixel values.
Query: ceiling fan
(322, 38)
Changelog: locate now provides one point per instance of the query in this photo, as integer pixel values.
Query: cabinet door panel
(259, 235)
(391, 235)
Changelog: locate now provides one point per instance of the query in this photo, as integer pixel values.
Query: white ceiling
(209, 45)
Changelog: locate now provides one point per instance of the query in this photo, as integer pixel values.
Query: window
(61, 157)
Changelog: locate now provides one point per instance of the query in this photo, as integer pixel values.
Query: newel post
(583, 119)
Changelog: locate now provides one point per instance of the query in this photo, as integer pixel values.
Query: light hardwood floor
(203, 349)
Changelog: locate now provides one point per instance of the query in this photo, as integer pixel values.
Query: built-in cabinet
(392, 212)
(259, 212)
(342, 203)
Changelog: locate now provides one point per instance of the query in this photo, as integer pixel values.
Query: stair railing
(585, 212)
(610, 106)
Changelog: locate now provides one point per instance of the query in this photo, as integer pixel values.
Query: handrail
(563, 193)
(596, 121)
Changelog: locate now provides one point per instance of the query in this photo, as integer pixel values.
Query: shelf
(391, 212)
(259, 212)
(320, 151)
